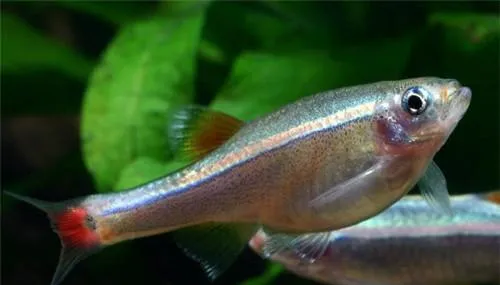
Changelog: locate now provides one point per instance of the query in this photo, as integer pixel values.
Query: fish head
(418, 115)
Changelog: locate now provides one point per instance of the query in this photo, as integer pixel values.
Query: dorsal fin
(493, 196)
(195, 131)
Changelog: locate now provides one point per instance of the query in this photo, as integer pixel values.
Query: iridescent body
(273, 168)
(410, 243)
(324, 162)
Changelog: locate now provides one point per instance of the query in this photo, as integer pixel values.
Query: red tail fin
(75, 227)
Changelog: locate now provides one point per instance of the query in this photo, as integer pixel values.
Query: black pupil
(415, 102)
(90, 222)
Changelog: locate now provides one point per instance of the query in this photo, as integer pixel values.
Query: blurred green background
(87, 88)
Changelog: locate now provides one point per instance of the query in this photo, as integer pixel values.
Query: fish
(324, 162)
(410, 243)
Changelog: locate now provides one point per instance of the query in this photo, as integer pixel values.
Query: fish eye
(414, 101)
(90, 222)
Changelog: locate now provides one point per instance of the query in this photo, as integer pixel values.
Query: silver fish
(410, 243)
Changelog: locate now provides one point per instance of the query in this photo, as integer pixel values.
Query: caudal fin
(76, 230)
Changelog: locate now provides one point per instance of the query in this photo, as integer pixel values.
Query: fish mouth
(458, 104)
(460, 98)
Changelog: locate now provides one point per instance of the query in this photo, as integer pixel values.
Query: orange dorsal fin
(493, 196)
(196, 131)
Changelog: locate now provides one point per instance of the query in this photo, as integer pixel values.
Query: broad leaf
(262, 82)
(146, 72)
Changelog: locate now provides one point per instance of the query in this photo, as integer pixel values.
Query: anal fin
(357, 184)
(216, 245)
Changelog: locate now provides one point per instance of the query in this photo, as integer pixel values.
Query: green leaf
(211, 52)
(464, 20)
(268, 277)
(471, 29)
(145, 169)
(25, 49)
(261, 82)
(146, 72)
(117, 13)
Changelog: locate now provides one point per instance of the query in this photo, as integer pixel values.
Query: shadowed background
(87, 88)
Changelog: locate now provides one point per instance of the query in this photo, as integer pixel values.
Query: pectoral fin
(308, 247)
(433, 187)
(215, 246)
(358, 184)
